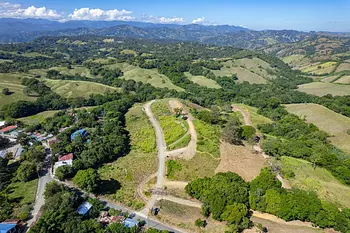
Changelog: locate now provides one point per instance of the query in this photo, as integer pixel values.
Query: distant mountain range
(23, 30)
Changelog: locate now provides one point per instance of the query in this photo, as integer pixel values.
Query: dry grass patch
(344, 80)
(321, 89)
(280, 227)
(343, 67)
(319, 69)
(318, 180)
(184, 217)
(150, 76)
(38, 118)
(72, 89)
(230, 68)
(203, 81)
(240, 160)
(13, 83)
(329, 79)
(331, 122)
(200, 166)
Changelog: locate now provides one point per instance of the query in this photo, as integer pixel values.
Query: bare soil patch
(184, 217)
(241, 160)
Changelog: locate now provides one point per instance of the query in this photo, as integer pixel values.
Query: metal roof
(5, 227)
(129, 222)
(84, 208)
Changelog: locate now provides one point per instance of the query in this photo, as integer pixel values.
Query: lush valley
(215, 105)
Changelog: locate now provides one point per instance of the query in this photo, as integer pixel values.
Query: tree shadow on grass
(106, 187)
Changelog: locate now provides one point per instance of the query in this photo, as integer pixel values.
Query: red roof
(66, 157)
(8, 128)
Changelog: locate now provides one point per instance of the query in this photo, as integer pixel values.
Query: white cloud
(98, 14)
(8, 10)
(199, 21)
(164, 20)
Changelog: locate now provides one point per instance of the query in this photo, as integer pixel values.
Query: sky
(303, 15)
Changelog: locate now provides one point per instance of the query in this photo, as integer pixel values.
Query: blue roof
(82, 132)
(84, 208)
(4, 228)
(129, 222)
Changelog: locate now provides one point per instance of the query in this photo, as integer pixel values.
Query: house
(8, 228)
(81, 132)
(130, 223)
(66, 157)
(64, 160)
(8, 129)
(84, 208)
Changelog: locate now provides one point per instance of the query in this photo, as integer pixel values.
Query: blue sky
(269, 14)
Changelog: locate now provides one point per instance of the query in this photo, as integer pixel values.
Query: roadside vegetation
(128, 172)
(174, 128)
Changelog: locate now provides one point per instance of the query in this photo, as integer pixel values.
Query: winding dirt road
(189, 151)
(247, 121)
(160, 144)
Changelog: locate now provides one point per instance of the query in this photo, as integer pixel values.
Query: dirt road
(189, 151)
(247, 121)
(160, 144)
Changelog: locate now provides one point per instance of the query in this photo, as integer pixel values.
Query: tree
(248, 132)
(6, 91)
(86, 180)
(23, 139)
(4, 142)
(52, 188)
(236, 214)
(26, 171)
(5, 175)
(64, 172)
(200, 223)
(232, 133)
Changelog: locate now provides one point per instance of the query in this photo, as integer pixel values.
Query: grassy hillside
(321, 89)
(145, 75)
(203, 81)
(35, 119)
(241, 70)
(318, 180)
(256, 118)
(13, 83)
(333, 123)
(73, 89)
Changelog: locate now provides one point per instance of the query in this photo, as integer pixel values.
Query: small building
(81, 132)
(64, 160)
(130, 223)
(8, 129)
(8, 228)
(66, 157)
(84, 208)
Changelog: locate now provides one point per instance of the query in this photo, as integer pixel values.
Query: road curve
(161, 146)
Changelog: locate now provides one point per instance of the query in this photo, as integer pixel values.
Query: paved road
(160, 144)
(43, 180)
